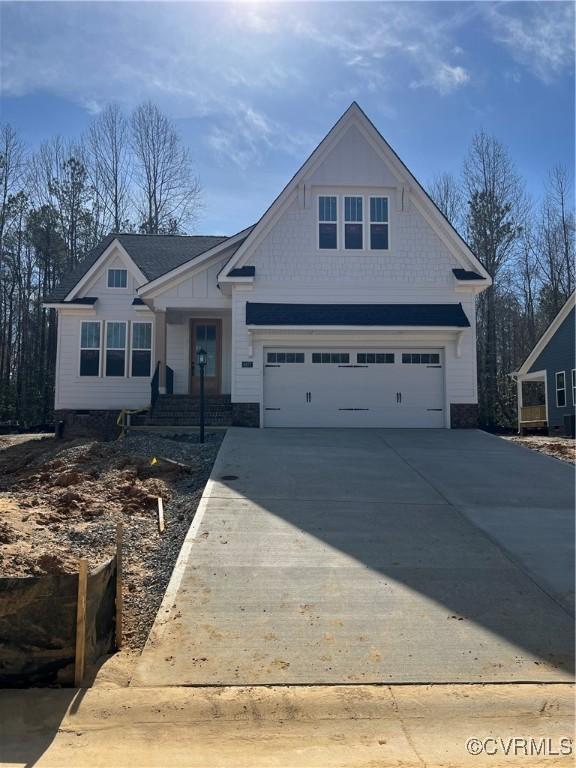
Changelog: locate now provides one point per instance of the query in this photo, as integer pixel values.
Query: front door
(207, 335)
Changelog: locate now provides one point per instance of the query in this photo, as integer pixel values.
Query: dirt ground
(560, 447)
(61, 500)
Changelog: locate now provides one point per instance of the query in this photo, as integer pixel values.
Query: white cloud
(539, 35)
(443, 78)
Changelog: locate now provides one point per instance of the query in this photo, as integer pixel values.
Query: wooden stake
(80, 656)
(161, 525)
(119, 602)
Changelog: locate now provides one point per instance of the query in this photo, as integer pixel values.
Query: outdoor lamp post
(202, 359)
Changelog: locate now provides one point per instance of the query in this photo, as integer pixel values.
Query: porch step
(184, 410)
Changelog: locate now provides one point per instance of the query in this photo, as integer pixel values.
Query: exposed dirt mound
(60, 501)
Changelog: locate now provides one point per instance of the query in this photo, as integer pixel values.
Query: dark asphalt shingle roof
(467, 274)
(154, 255)
(247, 271)
(434, 315)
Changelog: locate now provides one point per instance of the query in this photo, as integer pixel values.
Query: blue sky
(253, 87)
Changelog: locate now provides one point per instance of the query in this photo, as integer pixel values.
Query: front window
(573, 386)
(117, 278)
(115, 349)
(560, 389)
(141, 349)
(379, 223)
(328, 222)
(90, 349)
(353, 223)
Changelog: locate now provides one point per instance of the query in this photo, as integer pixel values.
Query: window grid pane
(327, 208)
(379, 210)
(116, 336)
(117, 278)
(353, 209)
(90, 336)
(141, 335)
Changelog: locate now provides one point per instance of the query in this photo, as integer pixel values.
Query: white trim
(141, 349)
(543, 341)
(354, 328)
(100, 262)
(561, 389)
(80, 348)
(74, 309)
(152, 286)
(126, 348)
(354, 115)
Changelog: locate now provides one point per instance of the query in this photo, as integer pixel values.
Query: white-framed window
(354, 223)
(573, 386)
(560, 389)
(115, 348)
(141, 349)
(327, 222)
(90, 332)
(117, 278)
(379, 224)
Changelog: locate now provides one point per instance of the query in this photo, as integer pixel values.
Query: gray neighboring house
(553, 363)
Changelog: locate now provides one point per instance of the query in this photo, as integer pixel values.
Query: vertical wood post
(80, 655)
(119, 538)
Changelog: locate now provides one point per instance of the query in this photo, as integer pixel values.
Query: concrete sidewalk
(339, 726)
(349, 556)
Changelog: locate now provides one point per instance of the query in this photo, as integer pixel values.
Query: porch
(532, 402)
(179, 334)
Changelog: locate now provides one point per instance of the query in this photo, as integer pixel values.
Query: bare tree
(12, 157)
(169, 192)
(447, 194)
(496, 206)
(109, 166)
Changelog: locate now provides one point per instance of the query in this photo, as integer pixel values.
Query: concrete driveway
(395, 556)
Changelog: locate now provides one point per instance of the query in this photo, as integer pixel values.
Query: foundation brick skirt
(245, 414)
(464, 415)
(83, 423)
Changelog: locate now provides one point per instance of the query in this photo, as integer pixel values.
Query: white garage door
(353, 387)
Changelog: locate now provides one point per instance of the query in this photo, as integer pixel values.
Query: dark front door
(207, 335)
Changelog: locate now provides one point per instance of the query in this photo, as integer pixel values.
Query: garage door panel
(353, 387)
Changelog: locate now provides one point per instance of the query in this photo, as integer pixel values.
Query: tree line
(128, 173)
(134, 173)
(527, 247)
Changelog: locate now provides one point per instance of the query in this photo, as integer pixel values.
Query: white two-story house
(350, 303)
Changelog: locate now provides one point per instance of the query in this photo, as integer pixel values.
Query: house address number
(247, 364)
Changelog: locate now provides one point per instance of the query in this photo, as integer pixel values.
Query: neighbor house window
(353, 223)
(115, 349)
(379, 223)
(573, 386)
(90, 349)
(141, 349)
(117, 278)
(328, 221)
(560, 389)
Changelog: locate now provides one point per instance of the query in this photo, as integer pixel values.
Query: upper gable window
(117, 278)
(379, 224)
(328, 221)
(353, 223)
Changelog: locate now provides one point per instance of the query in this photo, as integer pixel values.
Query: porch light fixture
(202, 357)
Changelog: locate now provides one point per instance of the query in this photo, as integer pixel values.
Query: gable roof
(549, 333)
(154, 255)
(354, 114)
